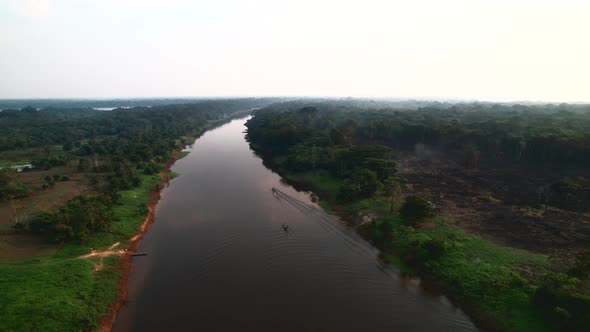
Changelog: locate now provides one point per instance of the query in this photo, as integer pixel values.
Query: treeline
(114, 149)
(30, 127)
(77, 219)
(355, 146)
(297, 142)
(556, 134)
(550, 137)
(7, 104)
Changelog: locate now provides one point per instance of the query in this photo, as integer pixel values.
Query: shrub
(414, 209)
(555, 297)
(78, 218)
(582, 267)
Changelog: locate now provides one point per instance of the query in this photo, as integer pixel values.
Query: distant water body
(110, 108)
(219, 258)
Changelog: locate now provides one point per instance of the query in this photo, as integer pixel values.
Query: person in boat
(285, 226)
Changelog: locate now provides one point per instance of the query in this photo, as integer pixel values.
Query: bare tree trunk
(95, 163)
(14, 212)
(391, 206)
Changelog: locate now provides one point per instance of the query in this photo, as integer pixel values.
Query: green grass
(183, 154)
(323, 181)
(4, 163)
(483, 273)
(326, 206)
(475, 247)
(488, 198)
(61, 292)
(478, 272)
(188, 140)
(128, 212)
(55, 294)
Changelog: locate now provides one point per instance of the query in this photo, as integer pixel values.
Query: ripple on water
(221, 260)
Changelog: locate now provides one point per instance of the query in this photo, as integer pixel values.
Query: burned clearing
(502, 204)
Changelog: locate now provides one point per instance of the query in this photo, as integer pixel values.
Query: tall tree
(11, 189)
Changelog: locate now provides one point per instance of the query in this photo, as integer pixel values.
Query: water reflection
(219, 258)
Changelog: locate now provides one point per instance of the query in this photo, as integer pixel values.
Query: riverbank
(72, 290)
(106, 322)
(126, 261)
(81, 286)
(483, 278)
(470, 231)
(198, 245)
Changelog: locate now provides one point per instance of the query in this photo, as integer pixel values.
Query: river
(219, 259)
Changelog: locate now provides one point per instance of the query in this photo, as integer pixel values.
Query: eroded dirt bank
(125, 261)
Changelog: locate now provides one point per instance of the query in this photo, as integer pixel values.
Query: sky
(531, 50)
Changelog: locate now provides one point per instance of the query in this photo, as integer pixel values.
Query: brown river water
(218, 258)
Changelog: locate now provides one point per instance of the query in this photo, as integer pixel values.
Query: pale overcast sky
(492, 50)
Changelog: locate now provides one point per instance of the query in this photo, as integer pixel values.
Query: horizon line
(393, 98)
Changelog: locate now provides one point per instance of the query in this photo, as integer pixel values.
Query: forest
(490, 200)
(114, 147)
(84, 181)
(101, 103)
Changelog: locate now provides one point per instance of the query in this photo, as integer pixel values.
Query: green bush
(76, 220)
(556, 298)
(415, 208)
(582, 267)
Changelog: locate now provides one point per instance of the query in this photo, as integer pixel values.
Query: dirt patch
(14, 245)
(500, 204)
(426, 225)
(18, 246)
(39, 200)
(101, 254)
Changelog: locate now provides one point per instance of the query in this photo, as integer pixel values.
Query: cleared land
(15, 245)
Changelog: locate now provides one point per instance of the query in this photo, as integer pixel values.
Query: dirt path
(105, 253)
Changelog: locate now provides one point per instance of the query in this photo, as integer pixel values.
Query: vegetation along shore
(489, 202)
(464, 195)
(70, 222)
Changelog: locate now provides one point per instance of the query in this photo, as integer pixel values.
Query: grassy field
(55, 294)
(60, 291)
